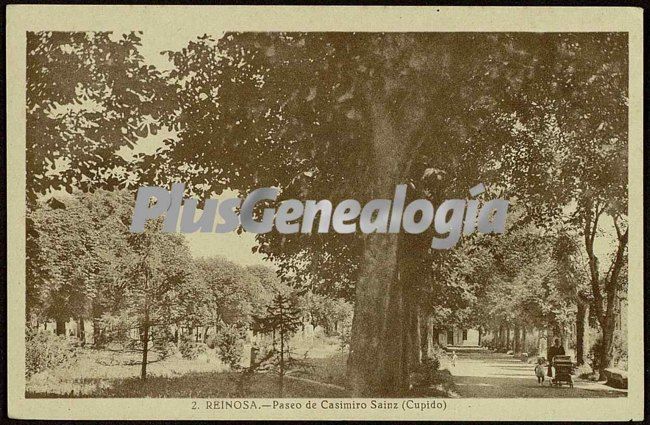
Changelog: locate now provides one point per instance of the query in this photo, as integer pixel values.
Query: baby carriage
(563, 371)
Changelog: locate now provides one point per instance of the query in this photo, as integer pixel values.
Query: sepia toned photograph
(362, 220)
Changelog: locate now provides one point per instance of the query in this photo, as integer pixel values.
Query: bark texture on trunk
(81, 331)
(607, 346)
(384, 327)
(425, 337)
(581, 326)
(60, 327)
(377, 363)
(516, 347)
(428, 335)
(502, 342)
(145, 349)
(96, 332)
(604, 289)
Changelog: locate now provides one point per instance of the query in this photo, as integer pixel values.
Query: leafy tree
(565, 157)
(89, 96)
(310, 113)
(283, 318)
(64, 283)
(232, 294)
(229, 343)
(330, 313)
(145, 279)
(159, 265)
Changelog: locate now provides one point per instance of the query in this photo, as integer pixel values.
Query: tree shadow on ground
(199, 385)
(512, 387)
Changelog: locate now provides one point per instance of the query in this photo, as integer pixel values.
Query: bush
(431, 363)
(532, 347)
(584, 371)
(189, 348)
(229, 344)
(427, 373)
(437, 353)
(424, 374)
(161, 342)
(619, 358)
(45, 350)
(211, 341)
(619, 352)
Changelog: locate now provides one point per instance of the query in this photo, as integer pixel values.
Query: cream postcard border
(22, 18)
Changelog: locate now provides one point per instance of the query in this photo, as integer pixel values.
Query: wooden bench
(616, 378)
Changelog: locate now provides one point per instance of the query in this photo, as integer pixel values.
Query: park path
(496, 375)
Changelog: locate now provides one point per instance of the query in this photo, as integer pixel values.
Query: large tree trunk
(581, 326)
(604, 298)
(502, 343)
(607, 346)
(606, 350)
(414, 338)
(433, 337)
(81, 332)
(145, 348)
(383, 332)
(425, 336)
(516, 348)
(377, 363)
(96, 332)
(60, 326)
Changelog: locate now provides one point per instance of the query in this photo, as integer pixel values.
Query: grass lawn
(329, 370)
(201, 385)
(105, 373)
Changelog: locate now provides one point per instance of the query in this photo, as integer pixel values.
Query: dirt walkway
(492, 375)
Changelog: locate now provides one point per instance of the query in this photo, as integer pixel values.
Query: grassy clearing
(97, 371)
(200, 385)
(329, 370)
(106, 373)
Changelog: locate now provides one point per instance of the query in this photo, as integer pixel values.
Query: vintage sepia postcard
(279, 212)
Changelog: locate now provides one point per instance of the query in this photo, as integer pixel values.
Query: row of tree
(86, 265)
(540, 118)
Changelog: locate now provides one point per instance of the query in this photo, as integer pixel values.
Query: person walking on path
(555, 350)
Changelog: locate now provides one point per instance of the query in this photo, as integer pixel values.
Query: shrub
(345, 337)
(229, 344)
(487, 339)
(426, 373)
(211, 341)
(45, 350)
(431, 363)
(162, 342)
(532, 347)
(619, 352)
(189, 348)
(436, 354)
(619, 356)
(584, 371)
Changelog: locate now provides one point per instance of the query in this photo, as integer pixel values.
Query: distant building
(458, 337)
